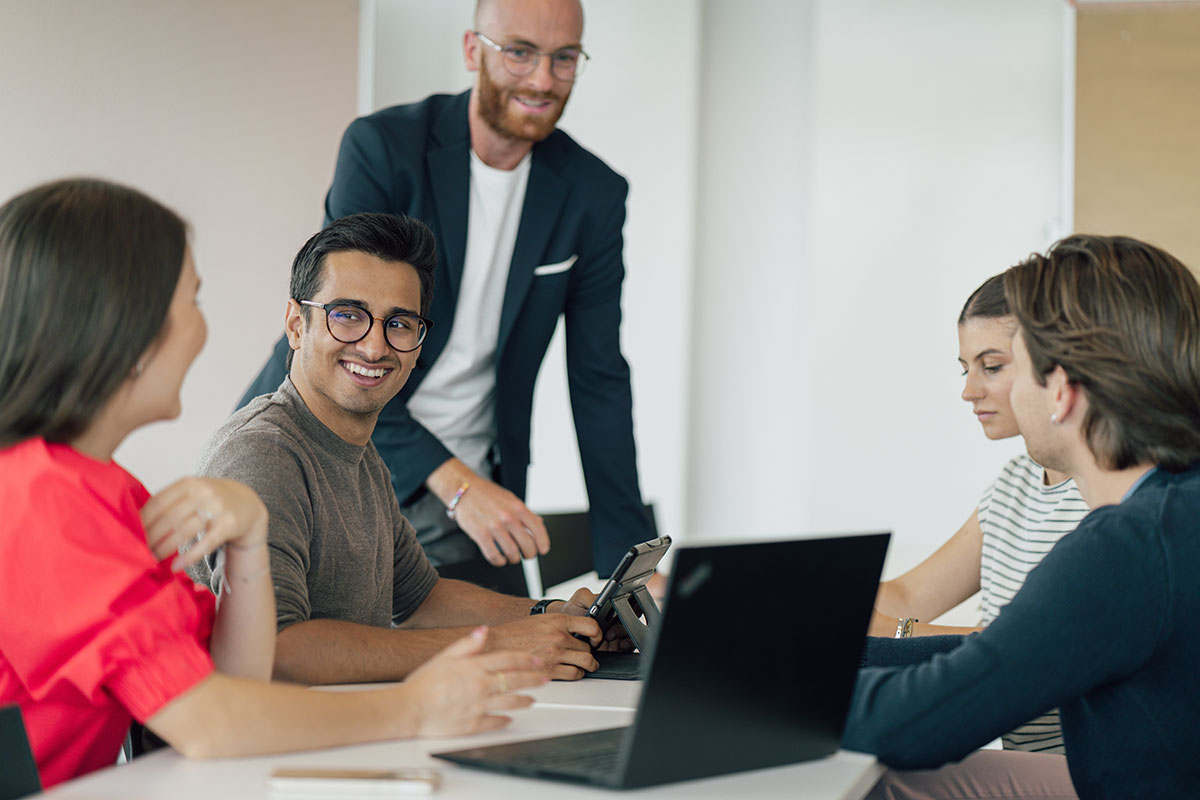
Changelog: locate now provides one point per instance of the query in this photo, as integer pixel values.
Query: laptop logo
(698, 577)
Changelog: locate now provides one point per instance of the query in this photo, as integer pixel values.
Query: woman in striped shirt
(1025, 511)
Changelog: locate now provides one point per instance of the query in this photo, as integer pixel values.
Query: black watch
(541, 606)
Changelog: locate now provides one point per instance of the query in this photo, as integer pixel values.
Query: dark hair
(87, 272)
(986, 302)
(1122, 318)
(391, 237)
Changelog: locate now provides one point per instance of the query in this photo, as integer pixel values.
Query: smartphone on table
(289, 784)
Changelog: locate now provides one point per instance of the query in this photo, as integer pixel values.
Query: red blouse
(92, 629)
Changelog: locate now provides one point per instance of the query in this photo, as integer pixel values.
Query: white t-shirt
(1022, 519)
(456, 400)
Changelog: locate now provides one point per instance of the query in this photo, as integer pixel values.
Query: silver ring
(192, 542)
(206, 517)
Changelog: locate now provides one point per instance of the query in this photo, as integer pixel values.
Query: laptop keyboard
(595, 753)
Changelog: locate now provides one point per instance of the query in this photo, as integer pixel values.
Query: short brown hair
(1122, 318)
(87, 272)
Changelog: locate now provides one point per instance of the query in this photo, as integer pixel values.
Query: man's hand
(577, 606)
(615, 638)
(502, 526)
(551, 638)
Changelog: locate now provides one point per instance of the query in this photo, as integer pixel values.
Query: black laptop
(752, 666)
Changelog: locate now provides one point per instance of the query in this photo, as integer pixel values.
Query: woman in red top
(98, 326)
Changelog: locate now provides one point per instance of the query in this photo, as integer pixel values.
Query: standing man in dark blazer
(528, 227)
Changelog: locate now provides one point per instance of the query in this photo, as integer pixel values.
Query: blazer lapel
(450, 174)
(544, 196)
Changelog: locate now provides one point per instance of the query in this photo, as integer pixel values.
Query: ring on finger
(504, 687)
(206, 517)
(192, 542)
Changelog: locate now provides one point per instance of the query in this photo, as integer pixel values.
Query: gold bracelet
(904, 630)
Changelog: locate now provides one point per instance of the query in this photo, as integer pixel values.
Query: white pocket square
(551, 269)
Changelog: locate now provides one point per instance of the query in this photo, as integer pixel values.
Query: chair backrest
(18, 771)
(570, 556)
(509, 579)
(571, 546)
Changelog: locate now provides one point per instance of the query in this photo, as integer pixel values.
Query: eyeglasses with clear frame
(566, 63)
(351, 322)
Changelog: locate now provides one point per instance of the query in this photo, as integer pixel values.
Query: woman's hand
(457, 691)
(195, 516)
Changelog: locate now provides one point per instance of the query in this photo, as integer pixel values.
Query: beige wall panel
(1137, 135)
(229, 111)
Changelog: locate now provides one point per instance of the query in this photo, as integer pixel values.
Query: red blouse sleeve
(87, 608)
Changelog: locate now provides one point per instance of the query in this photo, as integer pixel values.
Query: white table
(561, 708)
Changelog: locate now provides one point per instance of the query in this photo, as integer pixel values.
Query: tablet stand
(638, 631)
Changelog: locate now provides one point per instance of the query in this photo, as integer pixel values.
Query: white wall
(906, 153)
(936, 162)
(229, 112)
(749, 469)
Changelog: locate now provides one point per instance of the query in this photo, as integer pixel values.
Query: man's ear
(472, 51)
(293, 324)
(1067, 396)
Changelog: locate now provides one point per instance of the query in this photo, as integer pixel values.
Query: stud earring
(1054, 419)
(137, 369)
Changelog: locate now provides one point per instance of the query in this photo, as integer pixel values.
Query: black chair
(570, 556)
(509, 579)
(571, 546)
(18, 771)
(140, 740)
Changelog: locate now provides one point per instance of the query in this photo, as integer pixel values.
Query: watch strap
(542, 605)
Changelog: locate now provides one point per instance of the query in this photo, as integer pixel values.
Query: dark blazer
(415, 159)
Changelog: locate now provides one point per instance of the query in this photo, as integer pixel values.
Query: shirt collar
(1139, 482)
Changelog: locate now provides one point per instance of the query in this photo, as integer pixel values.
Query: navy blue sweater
(1107, 628)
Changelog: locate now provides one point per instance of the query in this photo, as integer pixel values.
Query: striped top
(1021, 519)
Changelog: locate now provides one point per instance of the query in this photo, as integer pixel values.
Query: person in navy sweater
(1107, 389)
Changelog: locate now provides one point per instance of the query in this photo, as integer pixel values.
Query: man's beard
(496, 112)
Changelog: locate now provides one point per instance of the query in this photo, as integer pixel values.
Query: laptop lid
(755, 660)
(752, 665)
